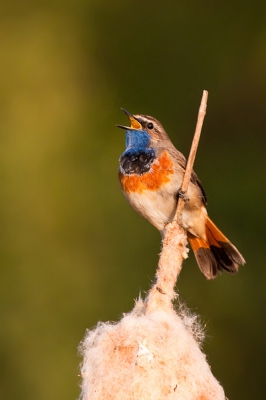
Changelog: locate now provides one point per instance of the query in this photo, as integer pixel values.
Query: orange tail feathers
(215, 254)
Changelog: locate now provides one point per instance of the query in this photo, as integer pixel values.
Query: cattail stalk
(154, 352)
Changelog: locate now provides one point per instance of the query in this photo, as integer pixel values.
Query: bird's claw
(182, 195)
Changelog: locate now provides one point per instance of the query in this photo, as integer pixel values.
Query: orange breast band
(157, 176)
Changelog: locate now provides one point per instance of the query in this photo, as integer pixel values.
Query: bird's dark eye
(150, 125)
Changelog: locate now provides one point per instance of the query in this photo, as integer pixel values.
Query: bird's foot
(182, 195)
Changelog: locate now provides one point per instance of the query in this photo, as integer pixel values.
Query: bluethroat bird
(150, 173)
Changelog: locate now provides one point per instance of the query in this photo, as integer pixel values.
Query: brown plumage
(151, 173)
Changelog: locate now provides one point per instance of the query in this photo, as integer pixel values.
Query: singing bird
(151, 171)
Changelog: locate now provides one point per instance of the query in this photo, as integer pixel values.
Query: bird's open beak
(135, 124)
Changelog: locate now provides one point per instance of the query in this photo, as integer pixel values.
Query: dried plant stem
(174, 249)
(192, 154)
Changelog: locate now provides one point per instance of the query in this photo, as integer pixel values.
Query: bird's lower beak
(134, 123)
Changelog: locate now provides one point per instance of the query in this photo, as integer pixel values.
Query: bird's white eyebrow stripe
(144, 119)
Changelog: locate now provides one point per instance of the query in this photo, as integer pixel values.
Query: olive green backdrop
(72, 251)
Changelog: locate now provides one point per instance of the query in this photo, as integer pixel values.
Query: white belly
(156, 208)
(159, 208)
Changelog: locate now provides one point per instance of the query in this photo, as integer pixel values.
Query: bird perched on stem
(151, 173)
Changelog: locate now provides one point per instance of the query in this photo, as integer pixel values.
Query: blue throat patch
(138, 156)
(137, 140)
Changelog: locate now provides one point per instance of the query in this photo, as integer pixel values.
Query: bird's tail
(215, 254)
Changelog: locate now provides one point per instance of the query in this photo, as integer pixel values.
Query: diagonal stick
(192, 155)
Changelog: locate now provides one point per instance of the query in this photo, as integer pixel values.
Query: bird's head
(144, 131)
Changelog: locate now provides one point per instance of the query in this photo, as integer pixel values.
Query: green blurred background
(72, 251)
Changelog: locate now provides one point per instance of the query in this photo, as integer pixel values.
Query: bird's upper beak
(134, 123)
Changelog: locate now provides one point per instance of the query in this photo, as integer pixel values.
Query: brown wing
(194, 179)
(182, 162)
